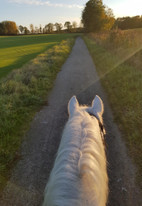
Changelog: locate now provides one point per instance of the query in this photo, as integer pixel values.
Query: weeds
(121, 77)
(119, 41)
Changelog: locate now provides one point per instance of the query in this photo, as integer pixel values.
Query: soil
(77, 77)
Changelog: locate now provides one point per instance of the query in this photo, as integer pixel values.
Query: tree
(1, 28)
(36, 30)
(128, 22)
(74, 24)
(44, 30)
(8, 28)
(109, 19)
(58, 27)
(40, 28)
(32, 28)
(26, 31)
(96, 16)
(68, 25)
(49, 27)
(21, 28)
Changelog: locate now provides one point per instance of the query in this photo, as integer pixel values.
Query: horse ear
(72, 105)
(97, 107)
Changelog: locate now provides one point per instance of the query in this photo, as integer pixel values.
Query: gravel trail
(77, 77)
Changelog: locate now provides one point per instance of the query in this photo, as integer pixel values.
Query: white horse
(79, 176)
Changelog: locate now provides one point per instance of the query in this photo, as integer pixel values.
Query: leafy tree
(58, 27)
(68, 25)
(109, 19)
(26, 31)
(44, 30)
(128, 22)
(49, 27)
(32, 28)
(1, 28)
(97, 17)
(8, 28)
(36, 29)
(74, 24)
(40, 28)
(21, 28)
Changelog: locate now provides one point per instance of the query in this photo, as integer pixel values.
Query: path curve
(77, 77)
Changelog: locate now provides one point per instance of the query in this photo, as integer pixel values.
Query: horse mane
(79, 176)
(92, 161)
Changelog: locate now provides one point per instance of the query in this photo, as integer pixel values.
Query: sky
(25, 12)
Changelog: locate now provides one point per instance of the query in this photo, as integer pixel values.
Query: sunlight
(125, 7)
(123, 60)
(118, 63)
(49, 51)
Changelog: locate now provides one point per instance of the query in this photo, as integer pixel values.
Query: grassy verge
(22, 93)
(121, 78)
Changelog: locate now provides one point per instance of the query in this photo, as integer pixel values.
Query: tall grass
(121, 76)
(22, 92)
(116, 39)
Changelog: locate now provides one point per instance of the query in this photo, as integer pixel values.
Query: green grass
(122, 81)
(15, 51)
(22, 93)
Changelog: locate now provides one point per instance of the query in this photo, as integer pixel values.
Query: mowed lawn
(18, 50)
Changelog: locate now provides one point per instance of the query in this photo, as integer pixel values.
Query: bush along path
(77, 77)
(22, 93)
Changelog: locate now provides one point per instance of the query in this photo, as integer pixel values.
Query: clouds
(46, 3)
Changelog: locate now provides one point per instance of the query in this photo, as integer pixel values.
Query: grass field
(17, 50)
(25, 90)
(118, 60)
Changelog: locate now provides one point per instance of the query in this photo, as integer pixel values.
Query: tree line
(128, 22)
(10, 28)
(98, 17)
(95, 17)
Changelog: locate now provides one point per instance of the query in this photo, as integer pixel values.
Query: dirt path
(78, 76)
